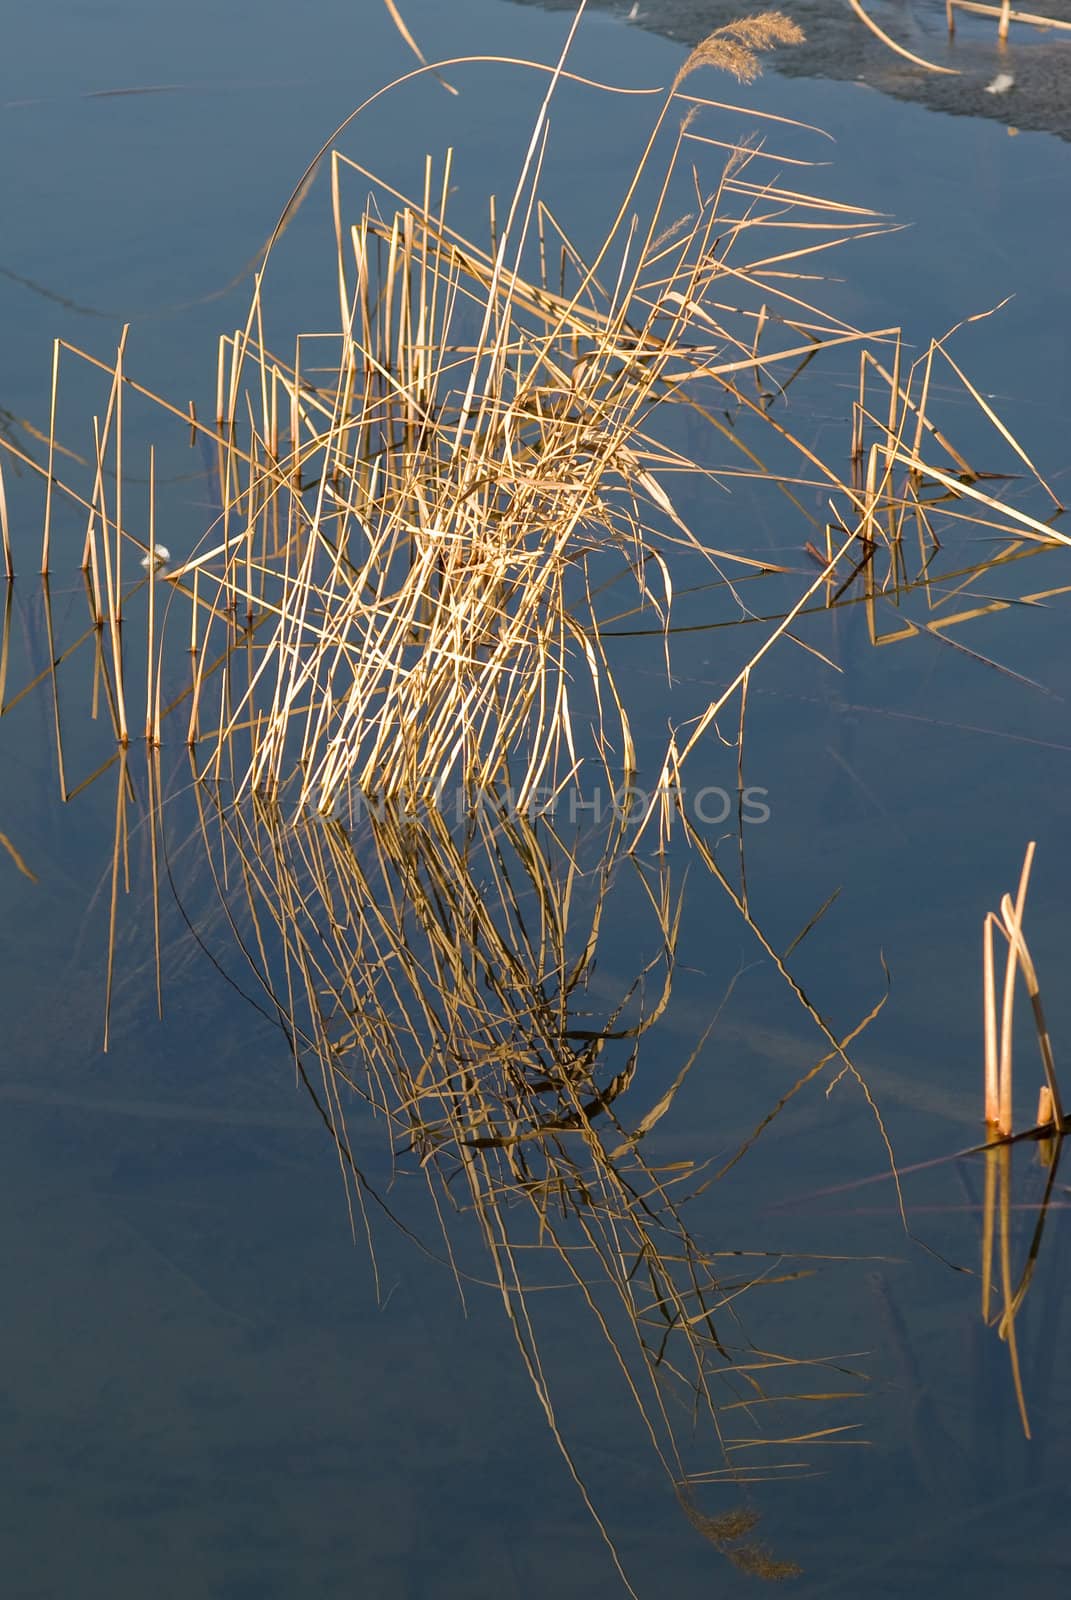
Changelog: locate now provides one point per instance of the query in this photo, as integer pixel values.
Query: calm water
(203, 1391)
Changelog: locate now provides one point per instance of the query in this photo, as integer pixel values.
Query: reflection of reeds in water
(997, 1233)
(1004, 15)
(436, 979)
(442, 981)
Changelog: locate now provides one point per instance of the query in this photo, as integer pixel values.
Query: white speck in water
(1001, 84)
(159, 557)
(634, 13)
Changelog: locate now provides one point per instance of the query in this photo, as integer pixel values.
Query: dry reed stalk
(118, 392)
(5, 530)
(1004, 1117)
(1013, 925)
(898, 391)
(152, 688)
(989, 1014)
(987, 411)
(111, 594)
(400, 24)
(5, 645)
(46, 537)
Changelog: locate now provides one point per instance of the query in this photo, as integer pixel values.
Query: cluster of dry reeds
(422, 512)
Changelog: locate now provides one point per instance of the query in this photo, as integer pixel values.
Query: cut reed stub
(1047, 1125)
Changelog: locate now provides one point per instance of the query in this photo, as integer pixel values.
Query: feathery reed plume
(735, 47)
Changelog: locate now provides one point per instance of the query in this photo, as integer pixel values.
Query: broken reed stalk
(1013, 923)
(5, 531)
(5, 643)
(152, 731)
(989, 1015)
(1004, 1115)
(998, 1061)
